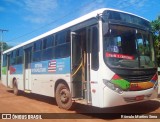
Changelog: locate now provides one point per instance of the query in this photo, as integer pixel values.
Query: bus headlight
(112, 86)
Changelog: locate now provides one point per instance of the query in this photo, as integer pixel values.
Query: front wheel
(63, 96)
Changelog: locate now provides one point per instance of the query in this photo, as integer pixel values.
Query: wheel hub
(64, 96)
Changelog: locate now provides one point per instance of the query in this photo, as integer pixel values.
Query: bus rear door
(27, 68)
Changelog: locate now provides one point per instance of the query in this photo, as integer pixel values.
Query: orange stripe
(143, 85)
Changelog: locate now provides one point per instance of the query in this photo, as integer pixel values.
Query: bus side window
(48, 42)
(95, 48)
(62, 44)
(38, 45)
(48, 52)
(19, 56)
(13, 57)
(4, 60)
(62, 37)
(68, 36)
(37, 54)
(62, 51)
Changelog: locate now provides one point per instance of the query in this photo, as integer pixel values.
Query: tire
(15, 87)
(63, 96)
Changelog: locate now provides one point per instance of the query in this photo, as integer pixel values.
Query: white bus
(105, 58)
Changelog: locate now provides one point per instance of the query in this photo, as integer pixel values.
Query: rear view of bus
(129, 70)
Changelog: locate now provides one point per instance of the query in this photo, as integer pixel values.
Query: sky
(26, 19)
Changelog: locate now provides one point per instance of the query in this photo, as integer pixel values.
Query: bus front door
(85, 62)
(76, 68)
(27, 69)
(81, 64)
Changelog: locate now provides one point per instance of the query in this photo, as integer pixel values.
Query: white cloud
(92, 6)
(40, 11)
(40, 7)
(36, 11)
(37, 19)
(131, 3)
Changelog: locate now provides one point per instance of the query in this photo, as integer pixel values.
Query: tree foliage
(156, 34)
(5, 46)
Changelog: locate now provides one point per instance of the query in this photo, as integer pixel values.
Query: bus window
(68, 36)
(48, 42)
(95, 48)
(44, 43)
(37, 45)
(36, 56)
(19, 56)
(37, 51)
(62, 51)
(62, 37)
(48, 54)
(4, 60)
(13, 57)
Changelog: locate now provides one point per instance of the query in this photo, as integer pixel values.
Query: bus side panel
(9, 79)
(95, 91)
(19, 80)
(44, 84)
(97, 87)
(44, 74)
(16, 71)
(4, 76)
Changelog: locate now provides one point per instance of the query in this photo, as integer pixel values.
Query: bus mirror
(73, 33)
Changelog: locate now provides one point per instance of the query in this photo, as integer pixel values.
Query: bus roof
(67, 25)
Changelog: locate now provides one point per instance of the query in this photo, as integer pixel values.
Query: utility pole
(2, 30)
(1, 40)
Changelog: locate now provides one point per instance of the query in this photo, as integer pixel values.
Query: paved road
(31, 103)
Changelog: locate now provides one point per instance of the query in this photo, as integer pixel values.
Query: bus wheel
(15, 87)
(63, 96)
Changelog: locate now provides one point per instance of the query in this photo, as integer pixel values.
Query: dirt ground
(32, 103)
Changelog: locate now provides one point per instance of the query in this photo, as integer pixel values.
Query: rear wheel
(15, 87)
(63, 96)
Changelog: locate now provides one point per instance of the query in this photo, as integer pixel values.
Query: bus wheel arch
(63, 94)
(15, 86)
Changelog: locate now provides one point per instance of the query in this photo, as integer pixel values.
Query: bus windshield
(126, 47)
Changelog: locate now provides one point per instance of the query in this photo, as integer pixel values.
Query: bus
(105, 58)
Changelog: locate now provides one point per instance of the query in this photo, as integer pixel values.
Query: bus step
(82, 101)
(27, 91)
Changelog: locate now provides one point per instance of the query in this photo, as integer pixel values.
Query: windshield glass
(126, 47)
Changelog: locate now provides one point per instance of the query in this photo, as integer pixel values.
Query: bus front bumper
(112, 98)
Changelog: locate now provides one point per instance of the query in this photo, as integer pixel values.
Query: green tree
(5, 46)
(156, 35)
